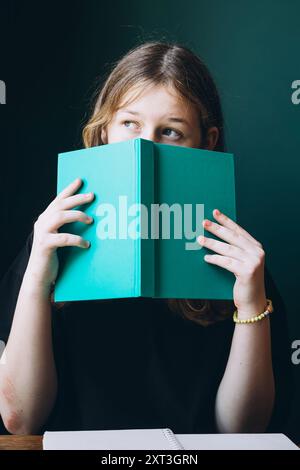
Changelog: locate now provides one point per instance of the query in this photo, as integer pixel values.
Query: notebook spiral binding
(174, 443)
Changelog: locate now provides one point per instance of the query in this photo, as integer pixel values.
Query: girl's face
(160, 115)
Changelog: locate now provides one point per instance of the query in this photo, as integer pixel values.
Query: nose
(149, 134)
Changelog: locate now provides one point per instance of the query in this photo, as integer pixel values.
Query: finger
(76, 200)
(222, 248)
(231, 264)
(66, 192)
(65, 217)
(229, 223)
(57, 240)
(228, 235)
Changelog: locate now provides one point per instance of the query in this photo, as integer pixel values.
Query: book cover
(150, 201)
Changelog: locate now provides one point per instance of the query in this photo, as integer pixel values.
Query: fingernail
(217, 212)
(206, 222)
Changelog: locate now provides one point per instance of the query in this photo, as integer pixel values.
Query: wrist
(34, 284)
(252, 310)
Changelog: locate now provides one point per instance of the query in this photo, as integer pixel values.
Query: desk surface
(21, 443)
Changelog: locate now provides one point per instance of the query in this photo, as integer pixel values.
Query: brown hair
(164, 63)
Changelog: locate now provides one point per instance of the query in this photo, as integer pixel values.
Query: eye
(178, 134)
(129, 122)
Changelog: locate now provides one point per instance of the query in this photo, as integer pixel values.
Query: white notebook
(121, 439)
(243, 441)
(162, 439)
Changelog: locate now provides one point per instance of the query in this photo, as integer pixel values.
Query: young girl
(144, 363)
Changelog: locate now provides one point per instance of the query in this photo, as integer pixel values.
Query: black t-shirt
(133, 363)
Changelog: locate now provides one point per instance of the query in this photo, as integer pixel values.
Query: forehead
(156, 100)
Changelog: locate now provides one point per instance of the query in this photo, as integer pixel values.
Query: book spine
(145, 259)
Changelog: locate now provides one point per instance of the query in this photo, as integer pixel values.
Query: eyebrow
(173, 119)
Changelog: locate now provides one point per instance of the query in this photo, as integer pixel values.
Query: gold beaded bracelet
(261, 316)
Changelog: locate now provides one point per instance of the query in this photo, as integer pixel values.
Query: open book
(162, 439)
(150, 202)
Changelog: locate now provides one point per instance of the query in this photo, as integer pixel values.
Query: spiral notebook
(162, 439)
(121, 439)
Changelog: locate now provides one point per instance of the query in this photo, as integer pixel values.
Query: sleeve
(63, 413)
(10, 285)
(281, 359)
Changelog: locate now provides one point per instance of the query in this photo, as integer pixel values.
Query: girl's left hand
(242, 255)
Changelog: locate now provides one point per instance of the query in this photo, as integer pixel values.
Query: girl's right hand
(43, 261)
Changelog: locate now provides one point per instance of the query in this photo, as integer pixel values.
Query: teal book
(150, 201)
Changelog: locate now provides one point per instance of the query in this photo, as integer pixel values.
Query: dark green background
(51, 54)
